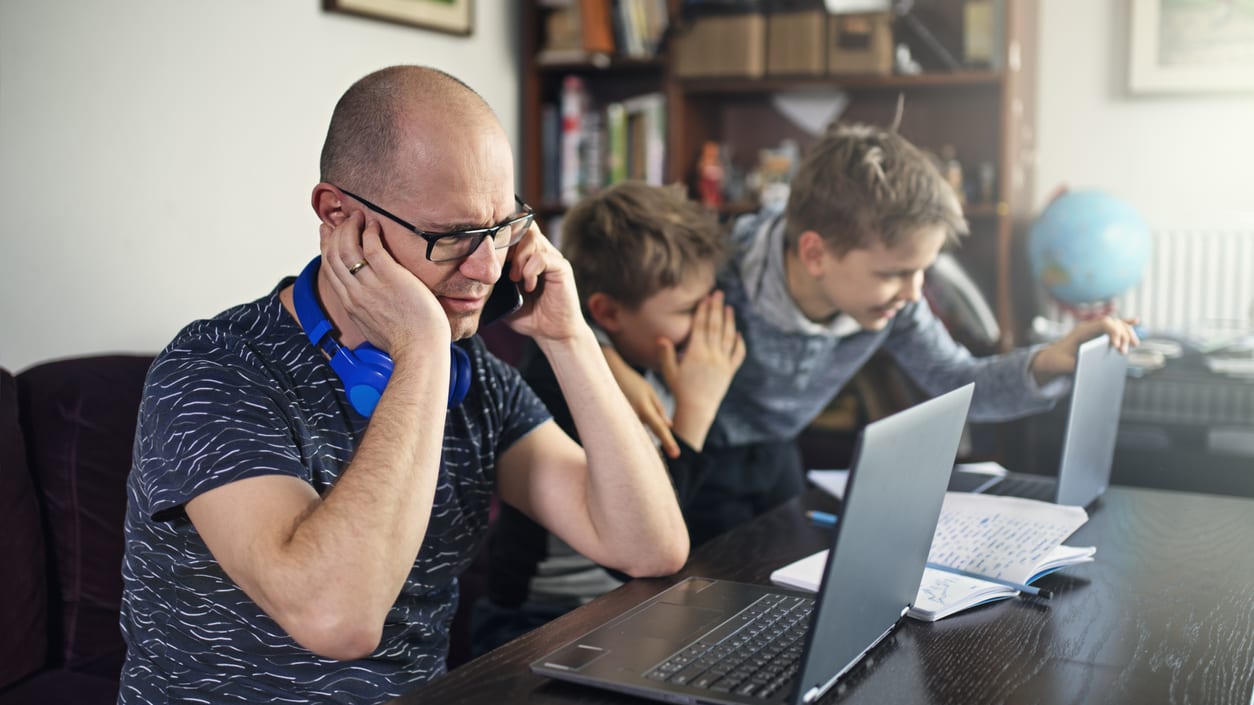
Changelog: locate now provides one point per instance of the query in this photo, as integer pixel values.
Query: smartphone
(504, 300)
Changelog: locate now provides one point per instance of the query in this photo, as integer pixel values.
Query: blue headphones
(365, 370)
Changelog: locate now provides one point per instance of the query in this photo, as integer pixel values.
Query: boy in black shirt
(644, 259)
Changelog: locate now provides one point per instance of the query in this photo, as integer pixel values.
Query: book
(646, 137)
(598, 32)
(573, 104)
(616, 143)
(550, 152)
(1008, 538)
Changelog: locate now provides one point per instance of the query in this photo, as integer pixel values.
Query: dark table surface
(1164, 615)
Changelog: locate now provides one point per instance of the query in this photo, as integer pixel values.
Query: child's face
(666, 314)
(872, 284)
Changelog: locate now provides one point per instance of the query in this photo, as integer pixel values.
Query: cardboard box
(860, 44)
(796, 43)
(724, 46)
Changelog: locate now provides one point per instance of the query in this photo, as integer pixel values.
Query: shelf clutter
(756, 38)
(597, 30)
(593, 134)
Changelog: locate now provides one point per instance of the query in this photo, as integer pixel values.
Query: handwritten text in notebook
(981, 534)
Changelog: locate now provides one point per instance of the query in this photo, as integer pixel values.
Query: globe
(1088, 247)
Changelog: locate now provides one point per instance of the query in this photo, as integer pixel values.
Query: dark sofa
(66, 433)
(66, 430)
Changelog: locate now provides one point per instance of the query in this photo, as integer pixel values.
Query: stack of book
(595, 30)
(585, 146)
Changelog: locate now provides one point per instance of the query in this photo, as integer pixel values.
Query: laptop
(1088, 445)
(718, 641)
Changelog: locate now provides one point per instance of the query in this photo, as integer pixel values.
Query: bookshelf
(984, 114)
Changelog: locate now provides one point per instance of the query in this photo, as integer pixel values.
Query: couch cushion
(79, 419)
(23, 591)
(59, 687)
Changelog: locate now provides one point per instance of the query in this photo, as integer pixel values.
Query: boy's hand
(699, 382)
(1058, 358)
(644, 401)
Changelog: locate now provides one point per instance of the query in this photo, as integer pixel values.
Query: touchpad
(663, 620)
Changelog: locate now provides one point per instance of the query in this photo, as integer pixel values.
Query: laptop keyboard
(1045, 489)
(755, 654)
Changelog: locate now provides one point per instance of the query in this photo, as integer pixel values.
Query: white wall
(156, 157)
(1181, 160)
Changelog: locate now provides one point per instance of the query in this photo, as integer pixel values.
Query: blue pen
(1035, 591)
(821, 518)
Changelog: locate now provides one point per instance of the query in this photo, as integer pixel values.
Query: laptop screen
(1092, 424)
(892, 502)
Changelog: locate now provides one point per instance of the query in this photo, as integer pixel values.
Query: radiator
(1195, 278)
(1196, 281)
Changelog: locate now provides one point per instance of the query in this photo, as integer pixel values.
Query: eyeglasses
(458, 244)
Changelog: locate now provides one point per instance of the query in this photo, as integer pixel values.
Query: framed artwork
(451, 16)
(1192, 46)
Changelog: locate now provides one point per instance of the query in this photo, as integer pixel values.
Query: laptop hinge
(817, 691)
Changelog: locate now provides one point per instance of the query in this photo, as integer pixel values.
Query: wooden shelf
(604, 65)
(771, 84)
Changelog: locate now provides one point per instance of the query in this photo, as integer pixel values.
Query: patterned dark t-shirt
(245, 394)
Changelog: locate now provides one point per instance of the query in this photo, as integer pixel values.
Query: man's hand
(390, 306)
(1059, 357)
(550, 310)
(699, 381)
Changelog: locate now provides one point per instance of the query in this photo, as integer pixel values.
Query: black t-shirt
(245, 394)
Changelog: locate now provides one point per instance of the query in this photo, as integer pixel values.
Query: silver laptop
(717, 641)
(1088, 445)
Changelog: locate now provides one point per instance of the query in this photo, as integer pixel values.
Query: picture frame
(1191, 46)
(448, 16)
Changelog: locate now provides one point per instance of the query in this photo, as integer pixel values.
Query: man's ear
(605, 312)
(812, 251)
(328, 204)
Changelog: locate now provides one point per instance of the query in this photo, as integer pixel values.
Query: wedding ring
(353, 270)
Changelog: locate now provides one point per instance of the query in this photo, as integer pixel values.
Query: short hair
(859, 184)
(365, 135)
(633, 239)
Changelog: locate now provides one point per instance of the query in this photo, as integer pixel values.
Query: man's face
(471, 187)
(668, 314)
(872, 284)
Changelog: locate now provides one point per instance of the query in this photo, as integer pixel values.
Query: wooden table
(1165, 615)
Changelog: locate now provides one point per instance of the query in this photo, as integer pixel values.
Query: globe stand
(1087, 312)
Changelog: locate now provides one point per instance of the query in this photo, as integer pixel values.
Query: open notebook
(1017, 540)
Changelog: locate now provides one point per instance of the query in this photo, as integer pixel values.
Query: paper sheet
(1002, 537)
(830, 481)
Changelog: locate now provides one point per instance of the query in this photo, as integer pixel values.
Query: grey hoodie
(795, 367)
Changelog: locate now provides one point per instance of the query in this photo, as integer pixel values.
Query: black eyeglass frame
(528, 214)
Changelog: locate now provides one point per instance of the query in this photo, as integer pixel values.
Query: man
(285, 542)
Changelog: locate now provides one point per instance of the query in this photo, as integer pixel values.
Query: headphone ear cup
(365, 372)
(459, 376)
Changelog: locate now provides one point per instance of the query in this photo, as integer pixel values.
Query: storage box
(722, 46)
(860, 44)
(796, 43)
